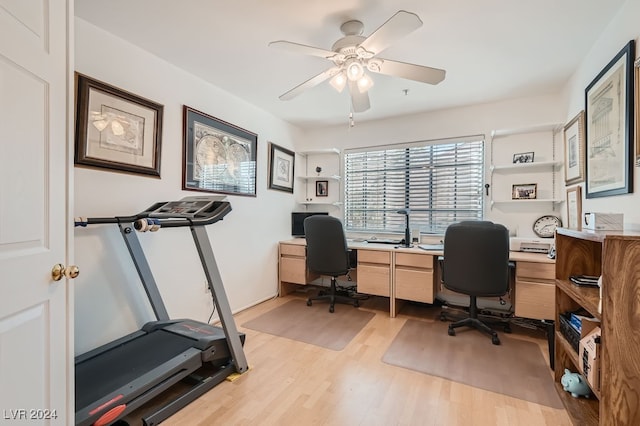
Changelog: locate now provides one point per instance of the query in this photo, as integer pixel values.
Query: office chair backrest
(327, 251)
(476, 258)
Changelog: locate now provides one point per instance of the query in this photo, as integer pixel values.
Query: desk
(413, 274)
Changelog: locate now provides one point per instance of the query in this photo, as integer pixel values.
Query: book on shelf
(584, 280)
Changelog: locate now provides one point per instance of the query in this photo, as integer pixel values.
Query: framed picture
(322, 188)
(637, 106)
(281, 165)
(116, 130)
(574, 207)
(526, 191)
(523, 157)
(217, 156)
(609, 128)
(574, 150)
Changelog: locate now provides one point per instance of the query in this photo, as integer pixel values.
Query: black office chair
(327, 254)
(476, 263)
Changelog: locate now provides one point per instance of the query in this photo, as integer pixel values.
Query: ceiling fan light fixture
(364, 83)
(354, 70)
(339, 81)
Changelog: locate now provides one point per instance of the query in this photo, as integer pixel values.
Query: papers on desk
(431, 247)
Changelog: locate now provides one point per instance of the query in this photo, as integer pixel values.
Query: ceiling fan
(353, 54)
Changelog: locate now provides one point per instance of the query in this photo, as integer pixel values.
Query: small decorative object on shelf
(523, 157)
(575, 384)
(526, 191)
(318, 170)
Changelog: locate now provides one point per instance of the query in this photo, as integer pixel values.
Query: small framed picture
(574, 208)
(322, 188)
(526, 191)
(523, 157)
(281, 164)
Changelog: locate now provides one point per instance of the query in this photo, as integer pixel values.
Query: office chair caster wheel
(443, 317)
(507, 328)
(451, 332)
(495, 340)
(309, 302)
(331, 309)
(356, 304)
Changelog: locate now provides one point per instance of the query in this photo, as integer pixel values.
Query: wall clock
(545, 226)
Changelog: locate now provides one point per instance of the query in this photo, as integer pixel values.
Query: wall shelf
(535, 201)
(319, 151)
(548, 127)
(320, 203)
(328, 160)
(527, 167)
(333, 177)
(503, 174)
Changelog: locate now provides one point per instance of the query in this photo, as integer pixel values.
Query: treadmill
(114, 379)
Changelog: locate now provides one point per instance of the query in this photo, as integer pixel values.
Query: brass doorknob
(59, 270)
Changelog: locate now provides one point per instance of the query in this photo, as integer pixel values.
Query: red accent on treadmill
(110, 415)
(103, 406)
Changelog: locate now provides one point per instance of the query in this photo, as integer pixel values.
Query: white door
(36, 313)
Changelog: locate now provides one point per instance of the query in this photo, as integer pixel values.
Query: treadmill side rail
(147, 386)
(201, 239)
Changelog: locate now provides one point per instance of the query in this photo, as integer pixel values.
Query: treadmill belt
(98, 376)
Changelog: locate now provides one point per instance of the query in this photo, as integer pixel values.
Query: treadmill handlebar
(217, 211)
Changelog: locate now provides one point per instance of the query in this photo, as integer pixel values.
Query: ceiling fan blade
(411, 71)
(312, 82)
(359, 101)
(303, 49)
(396, 27)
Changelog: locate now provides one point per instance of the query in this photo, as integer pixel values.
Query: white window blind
(440, 181)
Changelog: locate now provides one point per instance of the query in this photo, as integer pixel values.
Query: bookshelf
(615, 256)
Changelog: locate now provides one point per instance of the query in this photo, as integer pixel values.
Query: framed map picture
(217, 156)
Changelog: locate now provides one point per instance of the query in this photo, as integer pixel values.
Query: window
(440, 181)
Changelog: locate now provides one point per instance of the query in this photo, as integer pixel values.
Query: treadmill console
(190, 207)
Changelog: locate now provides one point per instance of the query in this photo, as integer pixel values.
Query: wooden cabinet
(615, 256)
(535, 290)
(374, 272)
(293, 266)
(414, 277)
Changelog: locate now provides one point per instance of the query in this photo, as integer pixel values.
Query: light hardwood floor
(293, 383)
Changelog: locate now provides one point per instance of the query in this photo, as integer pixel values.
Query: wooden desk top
(516, 256)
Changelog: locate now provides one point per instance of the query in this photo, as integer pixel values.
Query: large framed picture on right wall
(609, 102)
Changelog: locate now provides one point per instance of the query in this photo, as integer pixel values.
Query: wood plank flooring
(293, 383)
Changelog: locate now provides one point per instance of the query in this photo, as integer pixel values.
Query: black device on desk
(297, 222)
(407, 232)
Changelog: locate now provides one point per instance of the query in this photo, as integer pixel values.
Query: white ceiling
(491, 49)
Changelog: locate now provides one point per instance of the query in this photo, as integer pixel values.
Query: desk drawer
(292, 250)
(535, 300)
(293, 270)
(414, 284)
(374, 256)
(536, 271)
(423, 261)
(374, 280)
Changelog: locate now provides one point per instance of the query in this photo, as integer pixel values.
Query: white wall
(109, 300)
(621, 29)
(470, 120)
